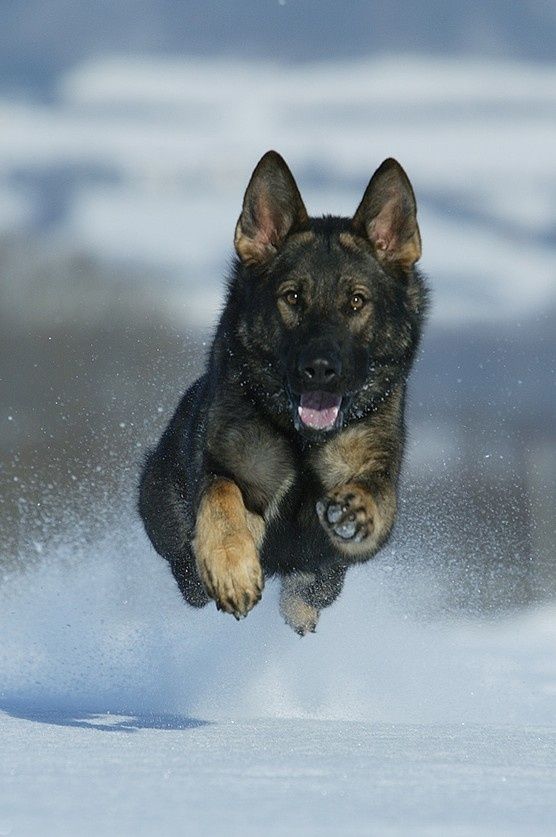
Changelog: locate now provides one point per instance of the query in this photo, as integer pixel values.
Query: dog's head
(330, 307)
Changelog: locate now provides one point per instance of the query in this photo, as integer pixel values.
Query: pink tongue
(319, 410)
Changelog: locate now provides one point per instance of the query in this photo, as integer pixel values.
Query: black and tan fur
(240, 487)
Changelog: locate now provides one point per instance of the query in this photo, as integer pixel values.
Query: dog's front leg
(226, 542)
(358, 516)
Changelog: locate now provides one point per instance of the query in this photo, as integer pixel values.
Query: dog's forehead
(328, 262)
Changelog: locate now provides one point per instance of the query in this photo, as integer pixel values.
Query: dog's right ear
(272, 209)
(387, 216)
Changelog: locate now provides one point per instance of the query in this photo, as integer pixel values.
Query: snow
(110, 775)
(121, 711)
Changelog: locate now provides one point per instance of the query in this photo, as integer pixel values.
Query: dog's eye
(291, 297)
(357, 302)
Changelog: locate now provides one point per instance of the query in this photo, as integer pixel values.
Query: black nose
(320, 371)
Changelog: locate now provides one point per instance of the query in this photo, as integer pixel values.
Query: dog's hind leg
(226, 542)
(187, 578)
(301, 616)
(303, 595)
(167, 516)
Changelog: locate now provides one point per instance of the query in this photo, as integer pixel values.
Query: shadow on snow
(103, 721)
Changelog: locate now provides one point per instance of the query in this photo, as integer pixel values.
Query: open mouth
(319, 410)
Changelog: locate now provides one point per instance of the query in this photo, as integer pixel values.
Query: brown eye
(357, 302)
(291, 297)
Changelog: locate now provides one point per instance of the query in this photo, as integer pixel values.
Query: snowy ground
(122, 712)
(100, 775)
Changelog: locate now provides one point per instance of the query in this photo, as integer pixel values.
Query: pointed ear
(272, 209)
(387, 216)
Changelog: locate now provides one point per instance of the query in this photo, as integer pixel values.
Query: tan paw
(299, 615)
(231, 573)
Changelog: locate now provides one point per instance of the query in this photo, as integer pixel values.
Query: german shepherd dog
(283, 458)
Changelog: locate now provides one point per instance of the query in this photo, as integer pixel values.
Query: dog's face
(331, 307)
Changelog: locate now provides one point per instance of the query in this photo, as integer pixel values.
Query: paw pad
(345, 517)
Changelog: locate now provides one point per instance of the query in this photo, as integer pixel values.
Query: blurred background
(128, 133)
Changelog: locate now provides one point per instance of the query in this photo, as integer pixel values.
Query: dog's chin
(317, 413)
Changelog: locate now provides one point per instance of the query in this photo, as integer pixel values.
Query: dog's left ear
(387, 216)
(272, 209)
